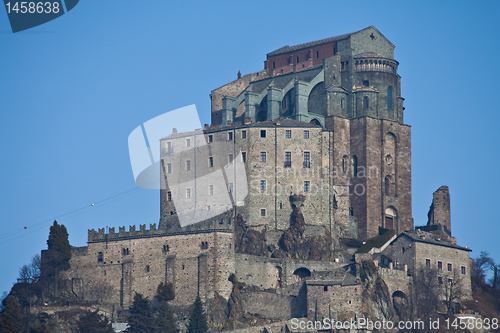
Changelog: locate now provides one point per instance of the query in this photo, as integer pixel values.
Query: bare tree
(30, 273)
(453, 290)
(100, 290)
(427, 290)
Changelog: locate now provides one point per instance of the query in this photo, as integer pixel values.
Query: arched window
(389, 186)
(355, 165)
(365, 102)
(344, 165)
(389, 98)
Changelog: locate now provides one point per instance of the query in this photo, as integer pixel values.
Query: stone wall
(140, 264)
(333, 300)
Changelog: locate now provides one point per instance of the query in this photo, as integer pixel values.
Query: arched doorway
(300, 274)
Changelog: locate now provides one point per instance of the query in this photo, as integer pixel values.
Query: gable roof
(287, 48)
(428, 240)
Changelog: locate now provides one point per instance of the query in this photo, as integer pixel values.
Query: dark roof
(427, 240)
(286, 49)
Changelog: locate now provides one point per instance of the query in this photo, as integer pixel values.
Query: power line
(66, 216)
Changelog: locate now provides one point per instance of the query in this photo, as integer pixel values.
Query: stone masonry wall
(140, 264)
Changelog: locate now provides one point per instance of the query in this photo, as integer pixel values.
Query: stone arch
(287, 103)
(401, 304)
(391, 218)
(300, 274)
(240, 112)
(315, 122)
(317, 99)
(262, 110)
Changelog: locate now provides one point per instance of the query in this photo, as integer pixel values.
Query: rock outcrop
(293, 243)
(249, 241)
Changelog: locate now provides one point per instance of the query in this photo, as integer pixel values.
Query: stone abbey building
(311, 150)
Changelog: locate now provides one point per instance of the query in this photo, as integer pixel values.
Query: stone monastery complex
(315, 159)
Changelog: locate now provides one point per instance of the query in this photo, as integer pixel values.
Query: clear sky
(73, 89)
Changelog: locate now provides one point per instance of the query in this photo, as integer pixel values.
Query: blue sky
(72, 90)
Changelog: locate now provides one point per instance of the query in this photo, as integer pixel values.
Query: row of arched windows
(375, 66)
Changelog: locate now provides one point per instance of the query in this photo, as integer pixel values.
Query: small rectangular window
(449, 268)
(244, 156)
(262, 185)
(210, 162)
(210, 190)
(440, 265)
(288, 159)
(230, 136)
(99, 256)
(230, 159)
(188, 165)
(169, 167)
(325, 288)
(188, 142)
(317, 54)
(262, 212)
(307, 186)
(262, 156)
(307, 159)
(169, 147)
(147, 268)
(306, 134)
(428, 262)
(366, 83)
(462, 269)
(169, 196)
(210, 138)
(440, 279)
(262, 133)
(188, 193)
(288, 134)
(243, 134)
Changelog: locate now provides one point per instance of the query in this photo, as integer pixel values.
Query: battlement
(101, 236)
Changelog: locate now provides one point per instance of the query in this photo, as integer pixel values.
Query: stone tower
(439, 212)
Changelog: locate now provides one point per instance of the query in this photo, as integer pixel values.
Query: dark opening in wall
(366, 83)
(99, 256)
(365, 103)
(262, 133)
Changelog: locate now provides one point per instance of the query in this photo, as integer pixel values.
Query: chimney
(228, 123)
(212, 126)
(248, 120)
(205, 126)
(239, 75)
(278, 122)
(174, 130)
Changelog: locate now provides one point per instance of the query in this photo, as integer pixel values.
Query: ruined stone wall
(140, 264)
(440, 212)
